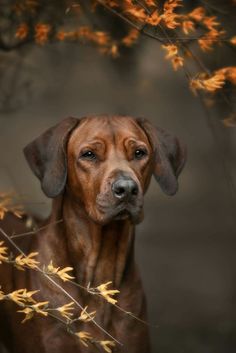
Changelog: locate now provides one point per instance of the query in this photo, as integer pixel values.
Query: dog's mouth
(121, 211)
(134, 214)
(110, 209)
(123, 214)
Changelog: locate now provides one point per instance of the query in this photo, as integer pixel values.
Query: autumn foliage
(185, 33)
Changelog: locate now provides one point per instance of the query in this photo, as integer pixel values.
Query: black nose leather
(124, 188)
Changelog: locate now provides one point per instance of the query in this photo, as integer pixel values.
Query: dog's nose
(124, 188)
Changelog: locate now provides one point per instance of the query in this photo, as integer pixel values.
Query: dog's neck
(98, 253)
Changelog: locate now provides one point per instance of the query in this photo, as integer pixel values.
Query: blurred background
(186, 245)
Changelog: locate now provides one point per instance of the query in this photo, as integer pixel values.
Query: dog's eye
(140, 153)
(88, 155)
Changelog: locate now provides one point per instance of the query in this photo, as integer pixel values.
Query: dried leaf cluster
(30, 307)
(181, 32)
(8, 204)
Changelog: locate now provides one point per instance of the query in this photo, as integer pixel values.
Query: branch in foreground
(35, 267)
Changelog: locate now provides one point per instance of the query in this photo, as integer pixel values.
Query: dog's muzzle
(123, 200)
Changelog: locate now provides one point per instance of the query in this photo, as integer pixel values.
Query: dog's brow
(133, 140)
(96, 143)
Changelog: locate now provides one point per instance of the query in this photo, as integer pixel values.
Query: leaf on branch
(42, 31)
(154, 19)
(2, 295)
(3, 252)
(210, 84)
(177, 62)
(139, 14)
(229, 72)
(27, 295)
(198, 14)
(172, 54)
(22, 31)
(65, 310)
(106, 345)
(108, 293)
(210, 22)
(85, 316)
(169, 17)
(7, 204)
(21, 296)
(61, 273)
(171, 49)
(85, 337)
(209, 39)
(22, 261)
(188, 26)
(151, 3)
(29, 311)
(131, 37)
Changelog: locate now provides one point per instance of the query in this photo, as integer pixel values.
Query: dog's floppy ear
(46, 156)
(170, 156)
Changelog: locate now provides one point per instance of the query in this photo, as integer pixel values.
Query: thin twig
(117, 306)
(140, 29)
(59, 287)
(36, 230)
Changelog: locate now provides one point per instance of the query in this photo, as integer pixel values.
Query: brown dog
(97, 170)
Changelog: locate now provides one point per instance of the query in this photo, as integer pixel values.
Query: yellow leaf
(29, 313)
(62, 273)
(84, 337)
(2, 295)
(7, 205)
(107, 293)
(171, 49)
(3, 252)
(107, 345)
(188, 26)
(21, 296)
(28, 261)
(131, 38)
(85, 316)
(65, 310)
(40, 308)
(197, 14)
(210, 84)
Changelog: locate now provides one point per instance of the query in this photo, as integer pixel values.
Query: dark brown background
(186, 245)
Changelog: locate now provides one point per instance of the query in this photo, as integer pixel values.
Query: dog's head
(106, 163)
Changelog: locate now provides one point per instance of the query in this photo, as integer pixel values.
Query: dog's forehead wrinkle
(114, 124)
(129, 129)
(90, 137)
(110, 131)
(93, 129)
